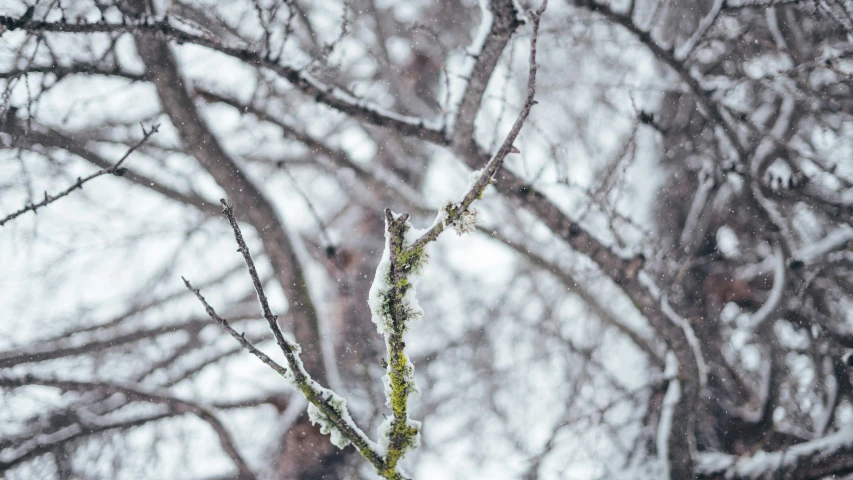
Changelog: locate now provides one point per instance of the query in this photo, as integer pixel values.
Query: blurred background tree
(659, 287)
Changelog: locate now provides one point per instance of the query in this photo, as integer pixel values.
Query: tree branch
(815, 459)
(162, 68)
(115, 169)
(49, 138)
(332, 96)
(331, 411)
(498, 23)
(134, 393)
(453, 213)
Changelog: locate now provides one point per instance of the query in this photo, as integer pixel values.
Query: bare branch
(60, 348)
(499, 20)
(272, 320)
(115, 169)
(310, 85)
(810, 460)
(406, 260)
(330, 406)
(134, 393)
(165, 73)
(706, 23)
(38, 135)
(774, 302)
(569, 281)
(240, 337)
(455, 212)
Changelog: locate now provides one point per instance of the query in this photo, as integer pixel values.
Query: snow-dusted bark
(821, 458)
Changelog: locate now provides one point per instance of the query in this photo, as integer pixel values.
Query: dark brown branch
(272, 320)
(163, 69)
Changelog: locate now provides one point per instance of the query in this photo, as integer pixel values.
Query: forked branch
(392, 307)
(392, 297)
(329, 409)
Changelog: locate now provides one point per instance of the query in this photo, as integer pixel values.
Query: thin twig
(485, 179)
(313, 391)
(332, 96)
(405, 260)
(324, 231)
(115, 170)
(285, 346)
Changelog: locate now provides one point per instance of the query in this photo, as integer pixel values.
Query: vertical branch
(285, 346)
(392, 296)
(499, 21)
(402, 433)
(449, 216)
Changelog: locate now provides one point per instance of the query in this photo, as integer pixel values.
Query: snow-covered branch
(810, 460)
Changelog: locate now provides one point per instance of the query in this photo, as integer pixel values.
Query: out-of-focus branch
(162, 67)
(676, 429)
(706, 23)
(172, 403)
(454, 212)
(75, 68)
(711, 109)
(757, 4)
(708, 107)
(115, 169)
(46, 445)
(577, 287)
(774, 301)
(60, 348)
(30, 138)
(304, 81)
(695, 227)
(499, 21)
(375, 177)
(828, 455)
